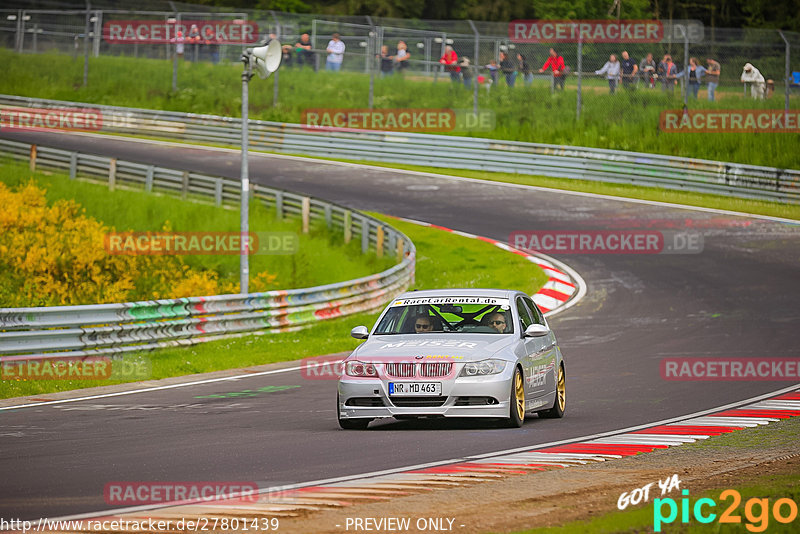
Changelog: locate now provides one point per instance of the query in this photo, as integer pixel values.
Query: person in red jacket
(556, 63)
(449, 60)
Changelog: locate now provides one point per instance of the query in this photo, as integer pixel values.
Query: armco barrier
(77, 331)
(704, 176)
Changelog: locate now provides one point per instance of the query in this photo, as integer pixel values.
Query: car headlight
(356, 368)
(482, 368)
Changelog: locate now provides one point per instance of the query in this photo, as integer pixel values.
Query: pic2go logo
(756, 511)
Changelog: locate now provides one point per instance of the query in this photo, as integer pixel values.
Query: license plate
(415, 388)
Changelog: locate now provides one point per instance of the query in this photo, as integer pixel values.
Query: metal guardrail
(107, 329)
(614, 166)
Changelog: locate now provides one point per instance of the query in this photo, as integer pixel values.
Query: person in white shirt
(611, 70)
(335, 53)
(753, 76)
(402, 56)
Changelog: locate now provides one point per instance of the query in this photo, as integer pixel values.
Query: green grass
(773, 209)
(767, 486)
(322, 257)
(443, 260)
(622, 121)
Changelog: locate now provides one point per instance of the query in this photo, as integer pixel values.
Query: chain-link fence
(686, 67)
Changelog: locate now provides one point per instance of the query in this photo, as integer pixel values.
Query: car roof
(464, 292)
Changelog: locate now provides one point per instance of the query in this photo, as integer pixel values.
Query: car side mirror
(359, 332)
(536, 330)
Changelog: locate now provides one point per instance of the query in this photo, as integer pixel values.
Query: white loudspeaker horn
(266, 59)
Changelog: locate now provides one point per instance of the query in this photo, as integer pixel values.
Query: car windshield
(479, 315)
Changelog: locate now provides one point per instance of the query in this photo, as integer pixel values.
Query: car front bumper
(454, 392)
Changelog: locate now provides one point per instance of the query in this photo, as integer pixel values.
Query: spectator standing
(212, 47)
(335, 53)
(450, 62)
(695, 76)
(194, 39)
(611, 69)
(402, 57)
(303, 50)
(466, 71)
(493, 68)
(629, 69)
(179, 44)
(525, 69)
(712, 77)
(753, 76)
(507, 68)
(387, 62)
(647, 70)
(668, 72)
(556, 63)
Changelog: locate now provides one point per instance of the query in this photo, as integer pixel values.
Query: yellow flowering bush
(56, 255)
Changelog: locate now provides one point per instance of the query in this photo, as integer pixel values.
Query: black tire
(351, 424)
(516, 408)
(560, 402)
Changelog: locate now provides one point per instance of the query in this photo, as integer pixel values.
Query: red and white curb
(293, 501)
(564, 287)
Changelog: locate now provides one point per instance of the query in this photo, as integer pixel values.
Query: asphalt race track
(737, 298)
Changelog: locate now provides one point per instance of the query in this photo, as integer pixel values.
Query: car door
(547, 355)
(534, 377)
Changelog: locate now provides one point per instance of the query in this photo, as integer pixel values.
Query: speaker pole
(244, 257)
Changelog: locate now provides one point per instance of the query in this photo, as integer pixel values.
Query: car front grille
(429, 370)
(399, 370)
(418, 402)
(424, 370)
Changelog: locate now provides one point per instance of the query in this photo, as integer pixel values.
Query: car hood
(444, 347)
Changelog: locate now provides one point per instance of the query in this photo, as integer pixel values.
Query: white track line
(154, 388)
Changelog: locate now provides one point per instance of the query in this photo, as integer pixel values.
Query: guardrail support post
(148, 179)
(185, 184)
(112, 174)
(73, 165)
(33, 158)
(400, 249)
(306, 212)
(348, 228)
(279, 205)
(218, 192)
(379, 242)
(391, 237)
(328, 216)
(364, 235)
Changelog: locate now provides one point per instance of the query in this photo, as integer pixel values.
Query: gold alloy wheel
(519, 395)
(561, 390)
